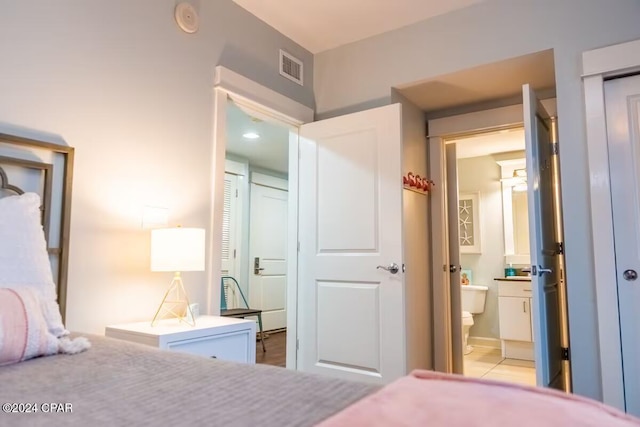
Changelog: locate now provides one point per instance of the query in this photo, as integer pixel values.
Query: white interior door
(542, 232)
(268, 253)
(230, 226)
(351, 317)
(622, 98)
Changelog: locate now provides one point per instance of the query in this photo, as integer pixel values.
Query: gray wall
(119, 81)
(361, 74)
(482, 174)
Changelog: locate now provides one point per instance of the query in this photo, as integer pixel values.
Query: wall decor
(416, 183)
(469, 220)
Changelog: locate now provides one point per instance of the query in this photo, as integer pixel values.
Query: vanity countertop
(514, 279)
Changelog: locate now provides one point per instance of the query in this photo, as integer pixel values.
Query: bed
(121, 383)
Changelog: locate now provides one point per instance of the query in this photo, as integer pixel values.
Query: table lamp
(177, 249)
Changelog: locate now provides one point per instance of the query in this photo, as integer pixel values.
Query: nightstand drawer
(232, 346)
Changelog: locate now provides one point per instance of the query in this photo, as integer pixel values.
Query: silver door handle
(392, 268)
(256, 266)
(539, 271)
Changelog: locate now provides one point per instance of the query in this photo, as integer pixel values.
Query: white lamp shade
(177, 249)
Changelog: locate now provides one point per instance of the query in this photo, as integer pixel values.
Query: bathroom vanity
(515, 318)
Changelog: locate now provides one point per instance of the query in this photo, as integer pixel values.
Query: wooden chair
(228, 288)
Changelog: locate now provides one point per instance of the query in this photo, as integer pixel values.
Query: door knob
(392, 268)
(454, 268)
(630, 275)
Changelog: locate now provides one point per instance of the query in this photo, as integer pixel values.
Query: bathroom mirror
(515, 210)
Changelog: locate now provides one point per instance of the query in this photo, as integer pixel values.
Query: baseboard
(485, 342)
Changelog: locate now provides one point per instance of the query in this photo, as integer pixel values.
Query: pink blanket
(426, 398)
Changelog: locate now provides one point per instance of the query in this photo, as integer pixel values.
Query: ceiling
(324, 24)
(490, 82)
(270, 151)
(490, 143)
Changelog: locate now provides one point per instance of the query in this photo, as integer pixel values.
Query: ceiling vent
(291, 67)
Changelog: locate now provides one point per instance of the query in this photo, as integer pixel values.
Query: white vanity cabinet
(515, 319)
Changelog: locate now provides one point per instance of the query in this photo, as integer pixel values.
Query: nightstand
(217, 337)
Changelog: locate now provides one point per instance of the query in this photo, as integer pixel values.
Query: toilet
(473, 299)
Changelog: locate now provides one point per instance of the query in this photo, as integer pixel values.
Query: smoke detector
(186, 17)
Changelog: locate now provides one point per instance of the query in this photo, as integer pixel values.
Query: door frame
(599, 65)
(440, 131)
(227, 85)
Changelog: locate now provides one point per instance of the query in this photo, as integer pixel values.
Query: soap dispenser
(509, 271)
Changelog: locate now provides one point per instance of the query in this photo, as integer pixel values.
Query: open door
(350, 291)
(544, 252)
(457, 352)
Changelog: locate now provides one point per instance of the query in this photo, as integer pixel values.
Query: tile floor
(485, 362)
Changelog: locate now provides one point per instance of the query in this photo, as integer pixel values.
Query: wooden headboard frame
(62, 252)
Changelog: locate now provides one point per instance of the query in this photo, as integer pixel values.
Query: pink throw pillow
(24, 332)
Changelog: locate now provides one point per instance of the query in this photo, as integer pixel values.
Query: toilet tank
(473, 298)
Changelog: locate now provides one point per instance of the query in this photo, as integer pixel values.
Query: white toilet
(473, 299)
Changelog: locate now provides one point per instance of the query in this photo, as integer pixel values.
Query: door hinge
(298, 246)
(236, 193)
(565, 353)
(555, 149)
(559, 248)
(234, 254)
(297, 344)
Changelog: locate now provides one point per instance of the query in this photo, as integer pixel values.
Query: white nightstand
(218, 337)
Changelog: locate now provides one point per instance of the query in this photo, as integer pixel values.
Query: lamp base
(175, 304)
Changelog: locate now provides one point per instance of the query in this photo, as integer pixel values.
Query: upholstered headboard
(29, 165)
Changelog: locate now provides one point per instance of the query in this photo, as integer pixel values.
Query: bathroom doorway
(493, 234)
(530, 311)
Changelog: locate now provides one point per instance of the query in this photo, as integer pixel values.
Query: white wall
(117, 80)
(482, 174)
(416, 241)
(361, 74)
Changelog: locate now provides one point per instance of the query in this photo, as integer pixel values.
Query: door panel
(542, 232)
(351, 318)
(515, 318)
(353, 229)
(349, 303)
(268, 243)
(622, 97)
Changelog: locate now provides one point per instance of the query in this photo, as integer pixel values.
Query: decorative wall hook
(416, 183)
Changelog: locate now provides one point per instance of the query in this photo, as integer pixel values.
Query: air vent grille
(291, 67)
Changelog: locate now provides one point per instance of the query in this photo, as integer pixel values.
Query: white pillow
(24, 260)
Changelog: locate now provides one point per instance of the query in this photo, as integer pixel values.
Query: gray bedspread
(118, 383)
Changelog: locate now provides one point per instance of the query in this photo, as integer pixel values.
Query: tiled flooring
(484, 362)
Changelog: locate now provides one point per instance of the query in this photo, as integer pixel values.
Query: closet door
(622, 98)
